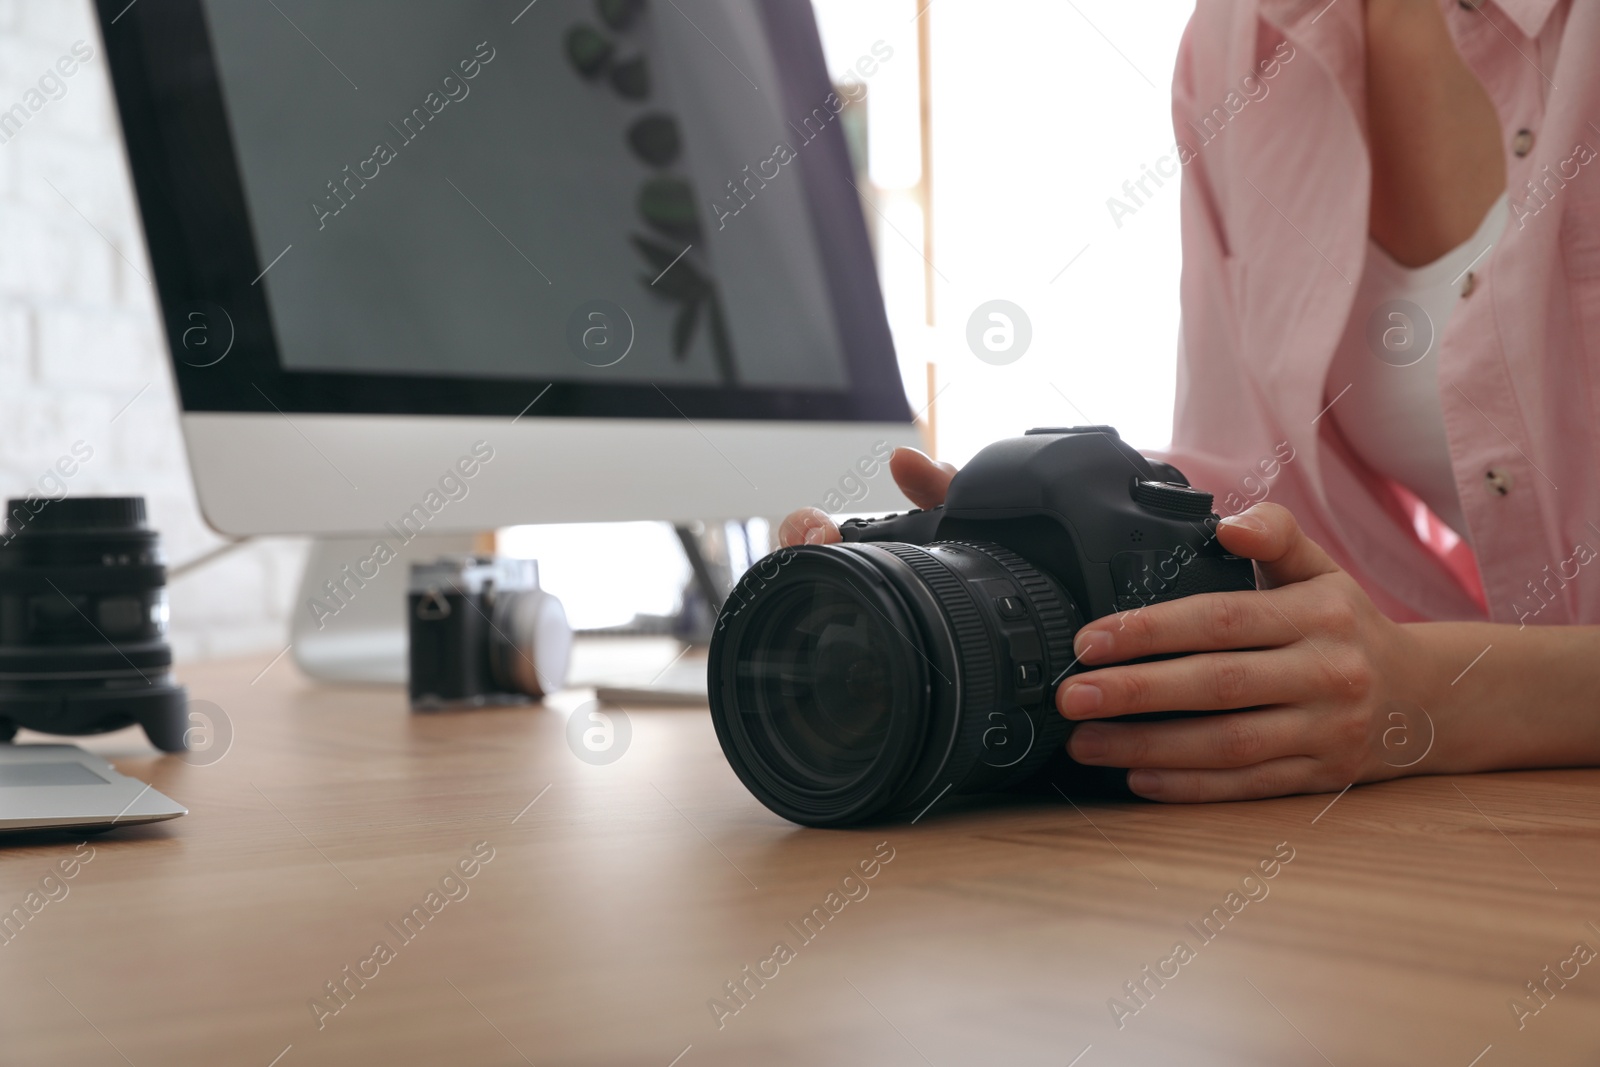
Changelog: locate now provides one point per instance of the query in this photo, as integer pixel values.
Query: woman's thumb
(923, 480)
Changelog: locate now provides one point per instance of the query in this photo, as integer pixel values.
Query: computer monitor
(482, 263)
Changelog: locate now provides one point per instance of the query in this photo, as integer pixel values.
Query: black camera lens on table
(83, 622)
(921, 656)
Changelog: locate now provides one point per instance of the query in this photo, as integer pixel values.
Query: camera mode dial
(1169, 496)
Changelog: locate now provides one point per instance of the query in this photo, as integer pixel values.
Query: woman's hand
(1328, 679)
(921, 479)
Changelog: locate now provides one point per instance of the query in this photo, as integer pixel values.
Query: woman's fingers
(1303, 654)
(1211, 741)
(1269, 534)
(923, 480)
(1209, 681)
(1204, 622)
(808, 526)
(1274, 778)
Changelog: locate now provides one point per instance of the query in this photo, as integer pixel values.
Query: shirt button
(1469, 283)
(1470, 5)
(1522, 143)
(1497, 480)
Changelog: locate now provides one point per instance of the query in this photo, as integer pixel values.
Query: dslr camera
(920, 657)
(483, 632)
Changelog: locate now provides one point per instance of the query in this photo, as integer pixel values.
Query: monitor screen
(422, 207)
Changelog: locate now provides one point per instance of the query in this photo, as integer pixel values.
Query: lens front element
(819, 683)
(818, 690)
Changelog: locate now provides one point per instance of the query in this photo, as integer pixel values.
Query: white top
(1389, 358)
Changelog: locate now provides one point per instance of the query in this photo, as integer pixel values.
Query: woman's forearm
(1504, 697)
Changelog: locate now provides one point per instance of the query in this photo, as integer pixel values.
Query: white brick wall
(80, 337)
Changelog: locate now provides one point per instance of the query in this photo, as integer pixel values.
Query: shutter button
(1497, 480)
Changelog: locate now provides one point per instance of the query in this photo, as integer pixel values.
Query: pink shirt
(1269, 108)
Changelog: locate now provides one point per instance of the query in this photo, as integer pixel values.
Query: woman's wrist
(1500, 697)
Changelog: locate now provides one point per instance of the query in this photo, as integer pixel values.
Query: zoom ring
(976, 681)
(1060, 620)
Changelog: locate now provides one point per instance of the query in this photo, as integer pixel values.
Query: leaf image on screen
(672, 252)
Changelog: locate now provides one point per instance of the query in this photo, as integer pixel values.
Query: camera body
(1117, 530)
(922, 655)
(482, 632)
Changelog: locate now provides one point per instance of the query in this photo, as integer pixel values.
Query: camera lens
(529, 642)
(83, 618)
(854, 681)
(824, 683)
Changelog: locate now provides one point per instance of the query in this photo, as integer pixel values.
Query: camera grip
(912, 527)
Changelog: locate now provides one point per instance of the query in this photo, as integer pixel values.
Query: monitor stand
(347, 627)
(718, 554)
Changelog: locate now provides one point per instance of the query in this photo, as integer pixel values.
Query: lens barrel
(529, 643)
(83, 618)
(856, 681)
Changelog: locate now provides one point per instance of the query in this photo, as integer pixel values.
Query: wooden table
(620, 900)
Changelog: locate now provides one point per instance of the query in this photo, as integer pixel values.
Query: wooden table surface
(619, 900)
